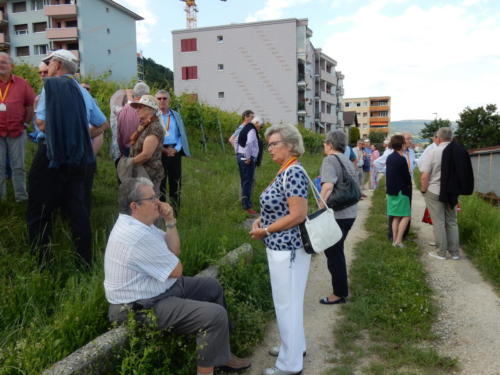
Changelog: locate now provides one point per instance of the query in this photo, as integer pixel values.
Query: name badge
(3, 107)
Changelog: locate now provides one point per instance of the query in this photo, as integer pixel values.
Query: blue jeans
(247, 172)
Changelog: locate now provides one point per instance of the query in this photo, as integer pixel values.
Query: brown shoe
(236, 364)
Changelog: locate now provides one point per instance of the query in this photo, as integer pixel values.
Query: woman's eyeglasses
(272, 144)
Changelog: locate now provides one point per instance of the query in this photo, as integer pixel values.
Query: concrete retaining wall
(98, 356)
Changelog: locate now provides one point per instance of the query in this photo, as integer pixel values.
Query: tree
(156, 75)
(377, 137)
(479, 127)
(432, 127)
(353, 135)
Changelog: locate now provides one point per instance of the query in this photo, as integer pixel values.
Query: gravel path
(319, 319)
(469, 318)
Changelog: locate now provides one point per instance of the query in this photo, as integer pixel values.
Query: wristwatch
(171, 224)
(267, 232)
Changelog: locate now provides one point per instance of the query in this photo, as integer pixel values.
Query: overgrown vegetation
(386, 326)
(47, 314)
(478, 223)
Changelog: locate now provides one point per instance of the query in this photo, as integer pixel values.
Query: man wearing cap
(128, 120)
(16, 110)
(175, 145)
(57, 175)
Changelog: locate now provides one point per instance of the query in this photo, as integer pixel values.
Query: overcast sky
(430, 56)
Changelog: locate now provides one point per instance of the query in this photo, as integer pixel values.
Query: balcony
(60, 11)
(378, 108)
(62, 33)
(4, 44)
(3, 19)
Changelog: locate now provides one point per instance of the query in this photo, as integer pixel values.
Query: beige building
(270, 67)
(374, 113)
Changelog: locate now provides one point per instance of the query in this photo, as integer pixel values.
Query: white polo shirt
(431, 163)
(137, 262)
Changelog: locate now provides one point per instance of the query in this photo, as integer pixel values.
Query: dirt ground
(469, 319)
(319, 319)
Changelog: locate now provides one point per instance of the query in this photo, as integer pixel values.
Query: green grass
(479, 224)
(387, 323)
(47, 314)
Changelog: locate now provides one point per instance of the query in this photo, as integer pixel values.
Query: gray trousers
(444, 224)
(191, 305)
(360, 177)
(14, 148)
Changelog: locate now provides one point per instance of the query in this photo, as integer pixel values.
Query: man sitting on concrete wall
(142, 271)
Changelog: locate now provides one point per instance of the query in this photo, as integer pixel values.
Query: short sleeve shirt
(137, 262)
(331, 171)
(274, 205)
(19, 96)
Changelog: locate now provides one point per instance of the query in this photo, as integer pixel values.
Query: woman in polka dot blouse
(284, 206)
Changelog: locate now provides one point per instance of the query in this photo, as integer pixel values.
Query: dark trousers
(192, 305)
(173, 172)
(336, 260)
(247, 173)
(53, 188)
(389, 222)
(90, 171)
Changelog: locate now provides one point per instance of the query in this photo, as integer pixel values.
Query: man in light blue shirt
(175, 145)
(58, 171)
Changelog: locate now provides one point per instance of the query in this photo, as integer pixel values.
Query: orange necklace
(286, 164)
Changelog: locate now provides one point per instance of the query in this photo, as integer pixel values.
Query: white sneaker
(455, 257)
(436, 255)
(432, 244)
(277, 371)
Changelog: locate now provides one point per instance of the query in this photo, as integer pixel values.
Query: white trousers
(288, 284)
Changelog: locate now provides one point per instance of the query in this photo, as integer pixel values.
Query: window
(18, 7)
(220, 67)
(21, 29)
(73, 46)
(41, 49)
(347, 104)
(39, 27)
(328, 108)
(107, 10)
(188, 45)
(365, 104)
(22, 51)
(109, 52)
(220, 39)
(358, 104)
(365, 114)
(72, 23)
(220, 95)
(189, 72)
(108, 31)
(39, 4)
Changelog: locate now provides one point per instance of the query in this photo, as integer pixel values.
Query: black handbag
(345, 193)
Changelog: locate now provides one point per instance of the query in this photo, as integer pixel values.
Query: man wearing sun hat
(57, 175)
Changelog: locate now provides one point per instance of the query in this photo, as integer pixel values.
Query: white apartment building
(270, 67)
(101, 33)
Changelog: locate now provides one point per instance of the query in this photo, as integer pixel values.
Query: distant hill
(409, 126)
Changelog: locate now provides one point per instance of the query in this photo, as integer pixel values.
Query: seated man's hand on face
(166, 211)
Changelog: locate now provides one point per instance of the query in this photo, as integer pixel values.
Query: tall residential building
(101, 33)
(374, 113)
(270, 67)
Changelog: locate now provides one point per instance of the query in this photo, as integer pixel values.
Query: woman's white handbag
(320, 230)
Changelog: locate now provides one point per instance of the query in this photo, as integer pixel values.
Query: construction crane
(191, 9)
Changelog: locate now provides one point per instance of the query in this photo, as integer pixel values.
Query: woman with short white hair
(283, 207)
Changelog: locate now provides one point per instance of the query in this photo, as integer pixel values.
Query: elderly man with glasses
(142, 271)
(175, 145)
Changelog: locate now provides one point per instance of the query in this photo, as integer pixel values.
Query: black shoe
(326, 301)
